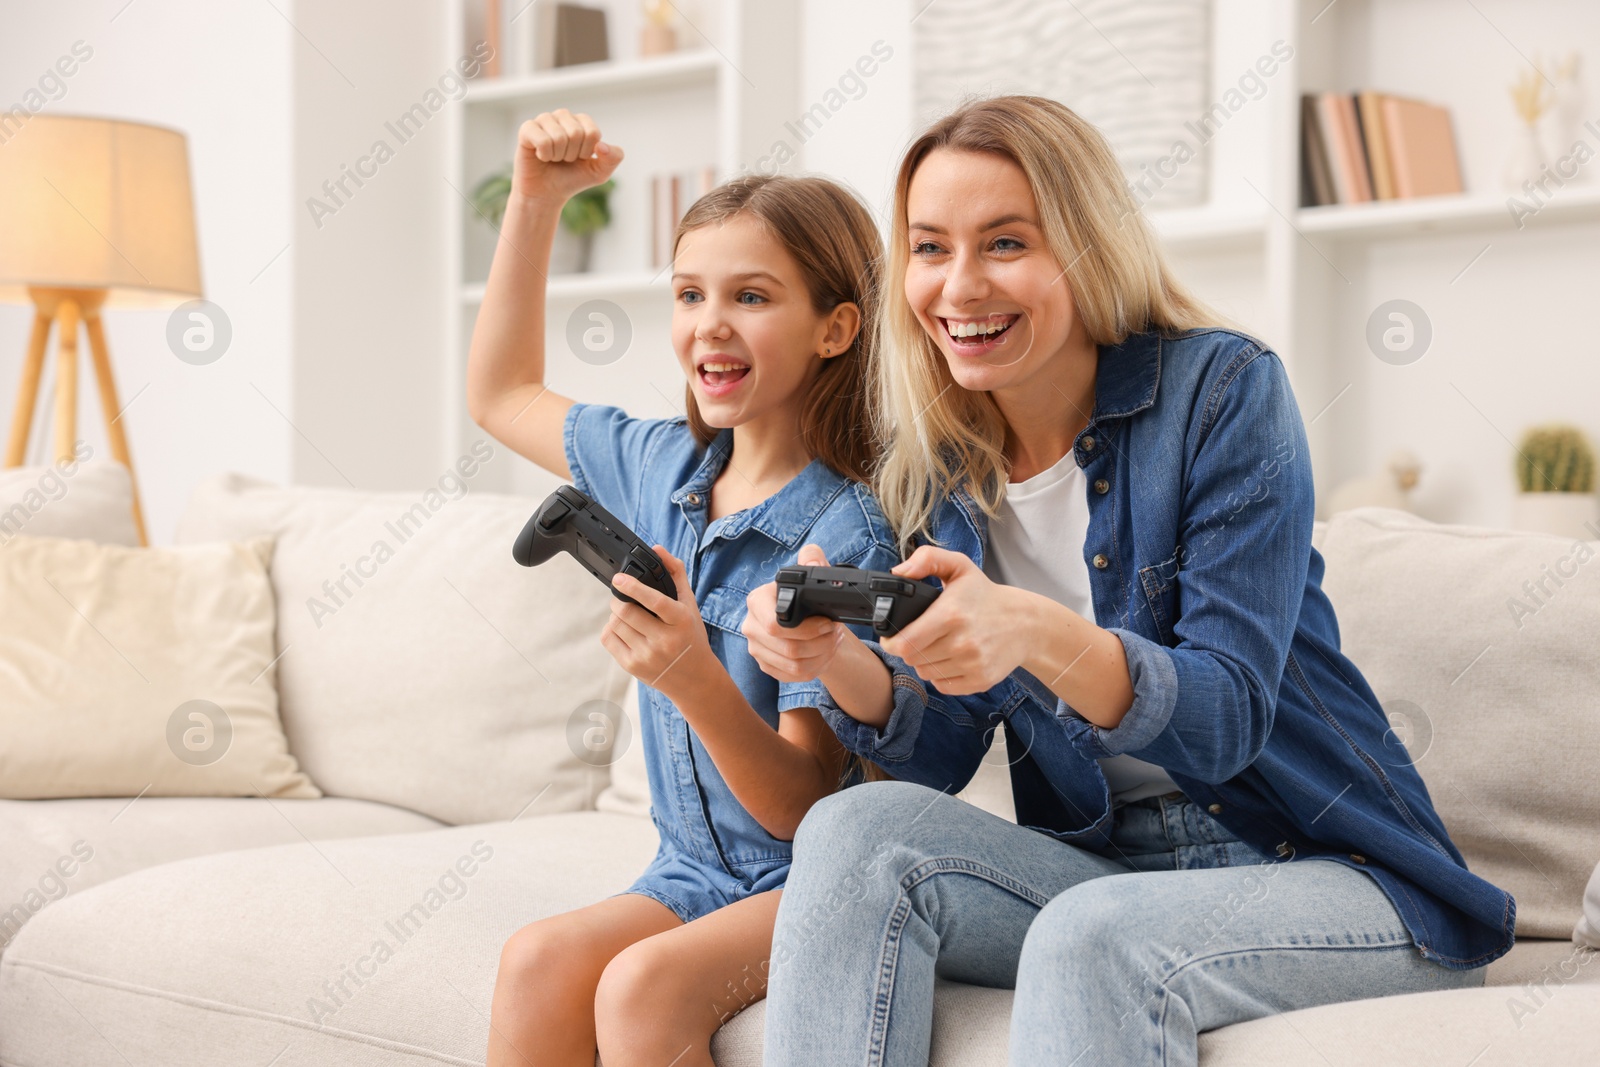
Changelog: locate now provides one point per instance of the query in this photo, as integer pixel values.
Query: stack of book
(1357, 147)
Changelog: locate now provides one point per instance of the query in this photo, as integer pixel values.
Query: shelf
(614, 285)
(1200, 228)
(1446, 214)
(698, 67)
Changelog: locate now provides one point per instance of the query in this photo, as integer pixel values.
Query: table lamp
(94, 213)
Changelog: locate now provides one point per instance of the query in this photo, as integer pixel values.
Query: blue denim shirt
(653, 475)
(1200, 561)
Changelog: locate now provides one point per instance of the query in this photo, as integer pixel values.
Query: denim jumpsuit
(654, 476)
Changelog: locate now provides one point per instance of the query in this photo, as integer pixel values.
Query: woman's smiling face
(981, 278)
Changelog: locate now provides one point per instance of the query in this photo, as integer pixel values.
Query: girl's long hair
(938, 436)
(831, 235)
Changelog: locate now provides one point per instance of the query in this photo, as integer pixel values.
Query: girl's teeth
(717, 368)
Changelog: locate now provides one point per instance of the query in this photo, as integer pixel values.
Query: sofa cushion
(55, 848)
(92, 500)
(420, 665)
(373, 950)
(1481, 646)
(133, 671)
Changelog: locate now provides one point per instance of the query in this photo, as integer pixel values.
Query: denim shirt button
(1285, 849)
(1101, 485)
(1215, 809)
(1358, 857)
(693, 499)
(1087, 444)
(1100, 561)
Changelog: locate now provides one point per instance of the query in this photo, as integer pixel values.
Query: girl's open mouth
(721, 377)
(975, 337)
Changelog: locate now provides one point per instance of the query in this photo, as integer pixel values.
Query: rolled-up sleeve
(931, 738)
(1204, 705)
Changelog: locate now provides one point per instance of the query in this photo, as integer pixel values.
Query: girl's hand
(560, 154)
(796, 655)
(669, 650)
(973, 636)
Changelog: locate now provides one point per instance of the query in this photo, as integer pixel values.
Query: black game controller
(884, 601)
(568, 521)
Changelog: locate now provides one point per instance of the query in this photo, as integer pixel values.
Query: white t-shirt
(1036, 543)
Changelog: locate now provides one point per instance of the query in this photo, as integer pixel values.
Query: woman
(1215, 822)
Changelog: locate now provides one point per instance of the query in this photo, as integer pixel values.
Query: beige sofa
(439, 711)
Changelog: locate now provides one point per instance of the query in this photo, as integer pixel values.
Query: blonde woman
(1215, 821)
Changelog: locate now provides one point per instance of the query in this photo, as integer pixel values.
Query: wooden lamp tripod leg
(113, 415)
(28, 391)
(66, 381)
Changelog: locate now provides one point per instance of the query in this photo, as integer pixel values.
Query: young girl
(1213, 822)
(772, 282)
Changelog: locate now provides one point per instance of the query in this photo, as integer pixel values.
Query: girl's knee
(642, 996)
(540, 951)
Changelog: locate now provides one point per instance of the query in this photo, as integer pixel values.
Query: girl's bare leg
(660, 1000)
(544, 994)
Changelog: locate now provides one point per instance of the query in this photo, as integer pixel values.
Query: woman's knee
(852, 824)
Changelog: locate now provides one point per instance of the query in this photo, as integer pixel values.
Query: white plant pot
(1575, 515)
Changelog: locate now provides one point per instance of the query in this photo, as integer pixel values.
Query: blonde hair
(938, 436)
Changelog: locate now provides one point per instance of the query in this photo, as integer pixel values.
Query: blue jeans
(1120, 956)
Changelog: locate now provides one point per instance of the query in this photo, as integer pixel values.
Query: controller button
(554, 515)
(890, 585)
(785, 601)
(880, 613)
(791, 576)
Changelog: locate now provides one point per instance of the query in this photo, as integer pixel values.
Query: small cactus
(1555, 459)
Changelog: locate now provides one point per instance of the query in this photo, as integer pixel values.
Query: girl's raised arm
(558, 154)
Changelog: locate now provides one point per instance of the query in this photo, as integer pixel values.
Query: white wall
(368, 330)
(341, 333)
(221, 74)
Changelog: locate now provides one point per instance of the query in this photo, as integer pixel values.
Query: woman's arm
(558, 154)
(1204, 705)
(978, 632)
(872, 701)
(776, 775)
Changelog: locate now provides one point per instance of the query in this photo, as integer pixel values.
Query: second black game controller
(568, 521)
(886, 602)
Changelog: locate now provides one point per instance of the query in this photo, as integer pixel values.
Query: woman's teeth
(961, 330)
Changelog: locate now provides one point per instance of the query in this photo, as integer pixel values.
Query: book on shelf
(1364, 146)
(568, 34)
(671, 195)
(528, 36)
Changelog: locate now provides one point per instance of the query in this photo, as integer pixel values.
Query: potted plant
(585, 215)
(1555, 469)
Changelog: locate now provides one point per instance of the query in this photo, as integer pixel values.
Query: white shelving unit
(1500, 297)
(1508, 349)
(715, 103)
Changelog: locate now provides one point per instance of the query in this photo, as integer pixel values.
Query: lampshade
(96, 203)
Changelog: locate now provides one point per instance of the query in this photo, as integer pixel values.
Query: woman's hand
(667, 650)
(560, 154)
(973, 636)
(790, 655)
